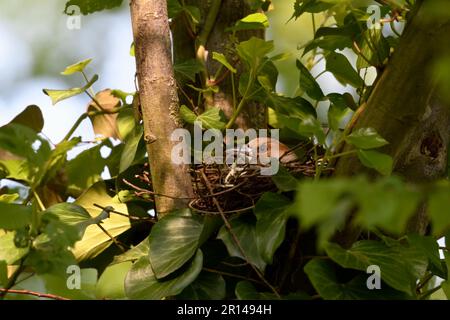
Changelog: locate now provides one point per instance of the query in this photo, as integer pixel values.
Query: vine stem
(235, 238)
(84, 116)
(241, 103)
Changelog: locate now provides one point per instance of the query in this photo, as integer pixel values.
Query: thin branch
(32, 293)
(228, 274)
(235, 239)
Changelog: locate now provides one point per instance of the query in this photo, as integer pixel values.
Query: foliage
(187, 255)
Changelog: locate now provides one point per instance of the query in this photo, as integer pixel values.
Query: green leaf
(343, 71)
(80, 176)
(271, 215)
(366, 138)
(14, 216)
(388, 204)
(311, 127)
(131, 147)
(141, 283)
(253, 21)
(329, 43)
(220, 57)
(342, 101)
(213, 118)
(91, 6)
(9, 198)
(77, 67)
(31, 117)
(284, 180)
(173, 241)
(59, 95)
(324, 279)
(245, 230)
(377, 56)
(3, 273)
(311, 6)
(111, 282)
(71, 215)
(429, 247)
(188, 68)
(253, 51)
(246, 291)
(8, 250)
(439, 209)
(381, 162)
(308, 83)
(207, 286)
(187, 114)
(95, 240)
(135, 253)
(401, 266)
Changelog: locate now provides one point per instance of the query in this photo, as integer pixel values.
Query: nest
(230, 188)
(236, 189)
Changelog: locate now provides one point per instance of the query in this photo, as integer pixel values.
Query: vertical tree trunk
(159, 102)
(405, 110)
(218, 40)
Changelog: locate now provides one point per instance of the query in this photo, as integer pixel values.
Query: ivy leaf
(9, 252)
(188, 68)
(59, 95)
(325, 280)
(271, 215)
(173, 241)
(387, 203)
(253, 21)
(142, 284)
(3, 273)
(77, 67)
(366, 138)
(111, 282)
(429, 247)
(311, 6)
(95, 240)
(80, 177)
(91, 6)
(220, 57)
(213, 118)
(135, 253)
(246, 291)
(187, 114)
(381, 162)
(31, 117)
(438, 209)
(311, 127)
(342, 70)
(245, 231)
(308, 83)
(284, 180)
(14, 216)
(130, 149)
(401, 266)
(72, 215)
(253, 51)
(207, 286)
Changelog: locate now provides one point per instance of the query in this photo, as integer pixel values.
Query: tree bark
(159, 103)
